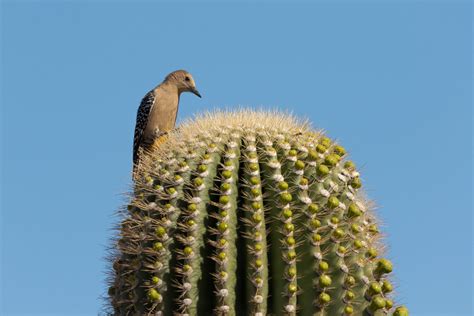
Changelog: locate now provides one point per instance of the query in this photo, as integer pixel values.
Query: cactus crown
(249, 213)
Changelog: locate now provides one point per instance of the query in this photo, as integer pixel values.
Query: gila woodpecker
(157, 112)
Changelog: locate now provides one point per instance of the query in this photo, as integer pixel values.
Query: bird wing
(142, 118)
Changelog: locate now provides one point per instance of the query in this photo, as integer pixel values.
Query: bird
(157, 113)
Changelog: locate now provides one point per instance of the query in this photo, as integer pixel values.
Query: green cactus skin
(249, 213)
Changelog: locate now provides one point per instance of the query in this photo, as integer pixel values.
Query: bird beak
(194, 90)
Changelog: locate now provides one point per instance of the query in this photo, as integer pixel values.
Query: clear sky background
(391, 80)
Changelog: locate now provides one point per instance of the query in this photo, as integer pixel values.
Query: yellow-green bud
(333, 202)
(222, 227)
(323, 266)
(299, 165)
(324, 298)
(324, 280)
(154, 296)
(322, 170)
(313, 208)
(283, 186)
(339, 150)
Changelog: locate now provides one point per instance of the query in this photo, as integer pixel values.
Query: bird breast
(163, 114)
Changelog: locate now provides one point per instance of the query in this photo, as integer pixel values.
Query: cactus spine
(249, 213)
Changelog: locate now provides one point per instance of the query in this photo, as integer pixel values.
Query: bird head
(183, 81)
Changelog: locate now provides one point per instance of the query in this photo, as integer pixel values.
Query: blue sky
(390, 80)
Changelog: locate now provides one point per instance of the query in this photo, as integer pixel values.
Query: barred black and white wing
(143, 114)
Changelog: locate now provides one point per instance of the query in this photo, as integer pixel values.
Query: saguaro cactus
(249, 213)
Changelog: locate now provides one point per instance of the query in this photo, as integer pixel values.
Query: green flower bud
(333, 202)
(355, 183)
(192, 208)
(373, 229)
(292, 272)
(339, 150)
(384, 266)
(322, 170)
(254, 180)
(256, 206)
(222, 255)
(316, 237)
(299, 165)
(324, 298)
(257, 218)
(324, 281)
(158, 246)
(353, 210)
(292, 288)
(349, 165)
(312, 155)
(401, 311)
(187, 251)
(154, 296)
(387, 287)
(371, 253)
(290, 241)
(222, 227)
(160, 231)
(224, 199)
(287, 213)
(374, 288)
(349, 295)
(338, 233)
(315, 223)
(255, 191)
(313, 208)
(323, 266)
(331, 159)
(227, 174)
(283, 186)
(253, 167)
(334, 220)
(291, 255)
(321, 149)
(350, 281)
(225, 187)
(325, 141)
(348, 310)
(377, 303)
(341, 249)
(285, 197)
(356, 228)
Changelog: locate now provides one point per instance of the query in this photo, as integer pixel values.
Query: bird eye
(187, 78)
